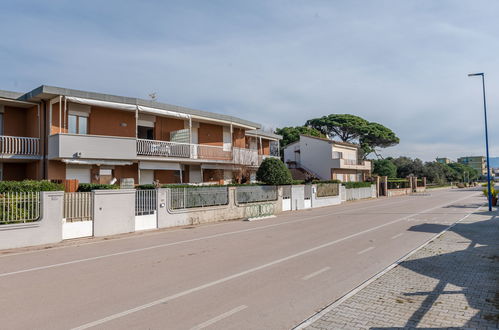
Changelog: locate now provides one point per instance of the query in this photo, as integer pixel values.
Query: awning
(105, 104)
(162, 112)
(96, 162)
(128, 107)
(159, 166)
(219, 167)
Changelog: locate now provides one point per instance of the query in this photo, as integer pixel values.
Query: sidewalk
(452, 282)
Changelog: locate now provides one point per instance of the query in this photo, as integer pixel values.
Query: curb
(310, 320)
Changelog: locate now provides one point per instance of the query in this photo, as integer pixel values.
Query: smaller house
(324, 159)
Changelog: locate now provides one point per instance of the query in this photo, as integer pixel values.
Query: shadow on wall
(480, 257)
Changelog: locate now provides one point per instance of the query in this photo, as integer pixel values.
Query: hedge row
(351, 185)
(87, 187)
(29, 185)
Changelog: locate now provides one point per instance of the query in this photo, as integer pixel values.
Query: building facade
(444, 160)
(60, 134)
(479, 163)
(325, 159)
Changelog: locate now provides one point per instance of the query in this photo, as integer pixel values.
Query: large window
(77, 124)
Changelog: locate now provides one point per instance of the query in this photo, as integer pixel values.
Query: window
(144, 132)
(77, 124)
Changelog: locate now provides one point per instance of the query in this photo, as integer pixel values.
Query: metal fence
(183, 198)
(420, 183)
(286, 192)
(308, 191)
(145, 202)
(78, 206)
(398, 184)
(19, 207)
(328, 189)
(253, 194)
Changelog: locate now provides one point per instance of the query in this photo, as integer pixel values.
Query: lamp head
(475, 74)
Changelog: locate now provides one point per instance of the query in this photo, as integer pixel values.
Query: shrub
(351, 185)
(145, 186)
(86, 187)
(273, 171)
(325, 181)
(29, 185)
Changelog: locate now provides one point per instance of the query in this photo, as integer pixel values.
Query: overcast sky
(403, 64)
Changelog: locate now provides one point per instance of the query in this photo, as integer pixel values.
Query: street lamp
(486, 136)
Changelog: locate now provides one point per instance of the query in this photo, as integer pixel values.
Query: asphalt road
(266, 274)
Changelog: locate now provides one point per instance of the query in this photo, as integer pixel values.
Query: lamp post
(486, 136)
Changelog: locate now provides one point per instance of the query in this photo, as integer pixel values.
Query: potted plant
(493, 192)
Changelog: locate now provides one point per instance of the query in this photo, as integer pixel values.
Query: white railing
(145, 202)
(245, 156)
(78, 206)
(16, 145)
(164, 148)
(19, 207)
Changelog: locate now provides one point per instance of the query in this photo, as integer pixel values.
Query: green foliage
(29, 185)
(292, 134)
(350, 128)
(325, 181)
(352, 185)
(86, 187)
(384, 167)
(464, 172)
(145, 186)
(409, 167)
(273, 171)
(493, 192)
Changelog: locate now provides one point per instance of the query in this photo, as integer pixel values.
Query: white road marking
(366, 250)
(219, 317)
(397, 236)
(172, 244)
(320, 271)
(246, 272)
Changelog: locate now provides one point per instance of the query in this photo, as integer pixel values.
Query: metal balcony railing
(16, 145)
(164, 148)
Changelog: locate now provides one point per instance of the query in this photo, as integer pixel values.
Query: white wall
(348, 153)
(317, 156)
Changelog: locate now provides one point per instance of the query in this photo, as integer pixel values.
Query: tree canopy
(292, 134)
(350, 128)
(273, 171)
(384, 167)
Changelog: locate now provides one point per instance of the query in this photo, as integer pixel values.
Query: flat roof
(45, 92)
(10, 94)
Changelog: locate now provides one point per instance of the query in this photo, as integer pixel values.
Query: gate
(145, 209)
(308, 196)
(286, 198)
(78, 214)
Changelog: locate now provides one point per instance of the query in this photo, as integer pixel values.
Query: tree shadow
(473, 269)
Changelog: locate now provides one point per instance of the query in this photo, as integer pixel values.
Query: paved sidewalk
(452, 282)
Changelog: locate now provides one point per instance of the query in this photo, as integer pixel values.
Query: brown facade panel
(238, 138)
(56, 170)
(210, 175)
(163, 126)
(127, 171)
(209, 134)
(14, 122)
(167, 176)
(58, 125)
(185, 174)
(14, 171)
(264, 147)
(111, 122)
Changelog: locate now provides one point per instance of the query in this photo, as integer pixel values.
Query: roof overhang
(96, 162)
(16, 103)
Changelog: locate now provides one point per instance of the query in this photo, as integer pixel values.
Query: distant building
(476, 162)
(444, 160)
(325, 159)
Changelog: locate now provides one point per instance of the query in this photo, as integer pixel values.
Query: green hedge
(325, 181)
(145, 186)
(351, 185)
(86, 187)
(29, 185)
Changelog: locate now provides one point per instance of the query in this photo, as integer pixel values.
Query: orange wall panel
(210, 134)
(238, 138)
(110, 122)
(56, 170)
(166, 176)
(56, 124)
(127, 171)
(163, 126)
(14, 121)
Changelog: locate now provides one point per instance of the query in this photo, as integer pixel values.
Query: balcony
(352, 164)
(91, 147)
(19, 147)
(169, 149)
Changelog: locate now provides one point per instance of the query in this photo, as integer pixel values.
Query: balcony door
(145, 132)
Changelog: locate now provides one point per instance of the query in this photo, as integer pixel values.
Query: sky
(400, 63)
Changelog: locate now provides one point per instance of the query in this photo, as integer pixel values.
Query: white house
(325, 159)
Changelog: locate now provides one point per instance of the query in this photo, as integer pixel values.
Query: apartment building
(476, 162)
(444, 160)
(58, 133)
(326, 160)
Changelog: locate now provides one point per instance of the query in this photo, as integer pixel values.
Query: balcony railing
(197, 151)
(16, 145)
(164, 148)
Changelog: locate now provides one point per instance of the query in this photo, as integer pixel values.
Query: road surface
(266, 274)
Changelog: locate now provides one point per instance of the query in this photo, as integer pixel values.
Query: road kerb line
(307, 322)
(397, 236)
(248, 271)
(219, 317)
(320, 271)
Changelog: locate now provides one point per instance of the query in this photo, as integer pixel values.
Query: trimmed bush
(87, 187)
(273, 171)
(352, 185)
(325, 181)
(29, 185)
(145, 186)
